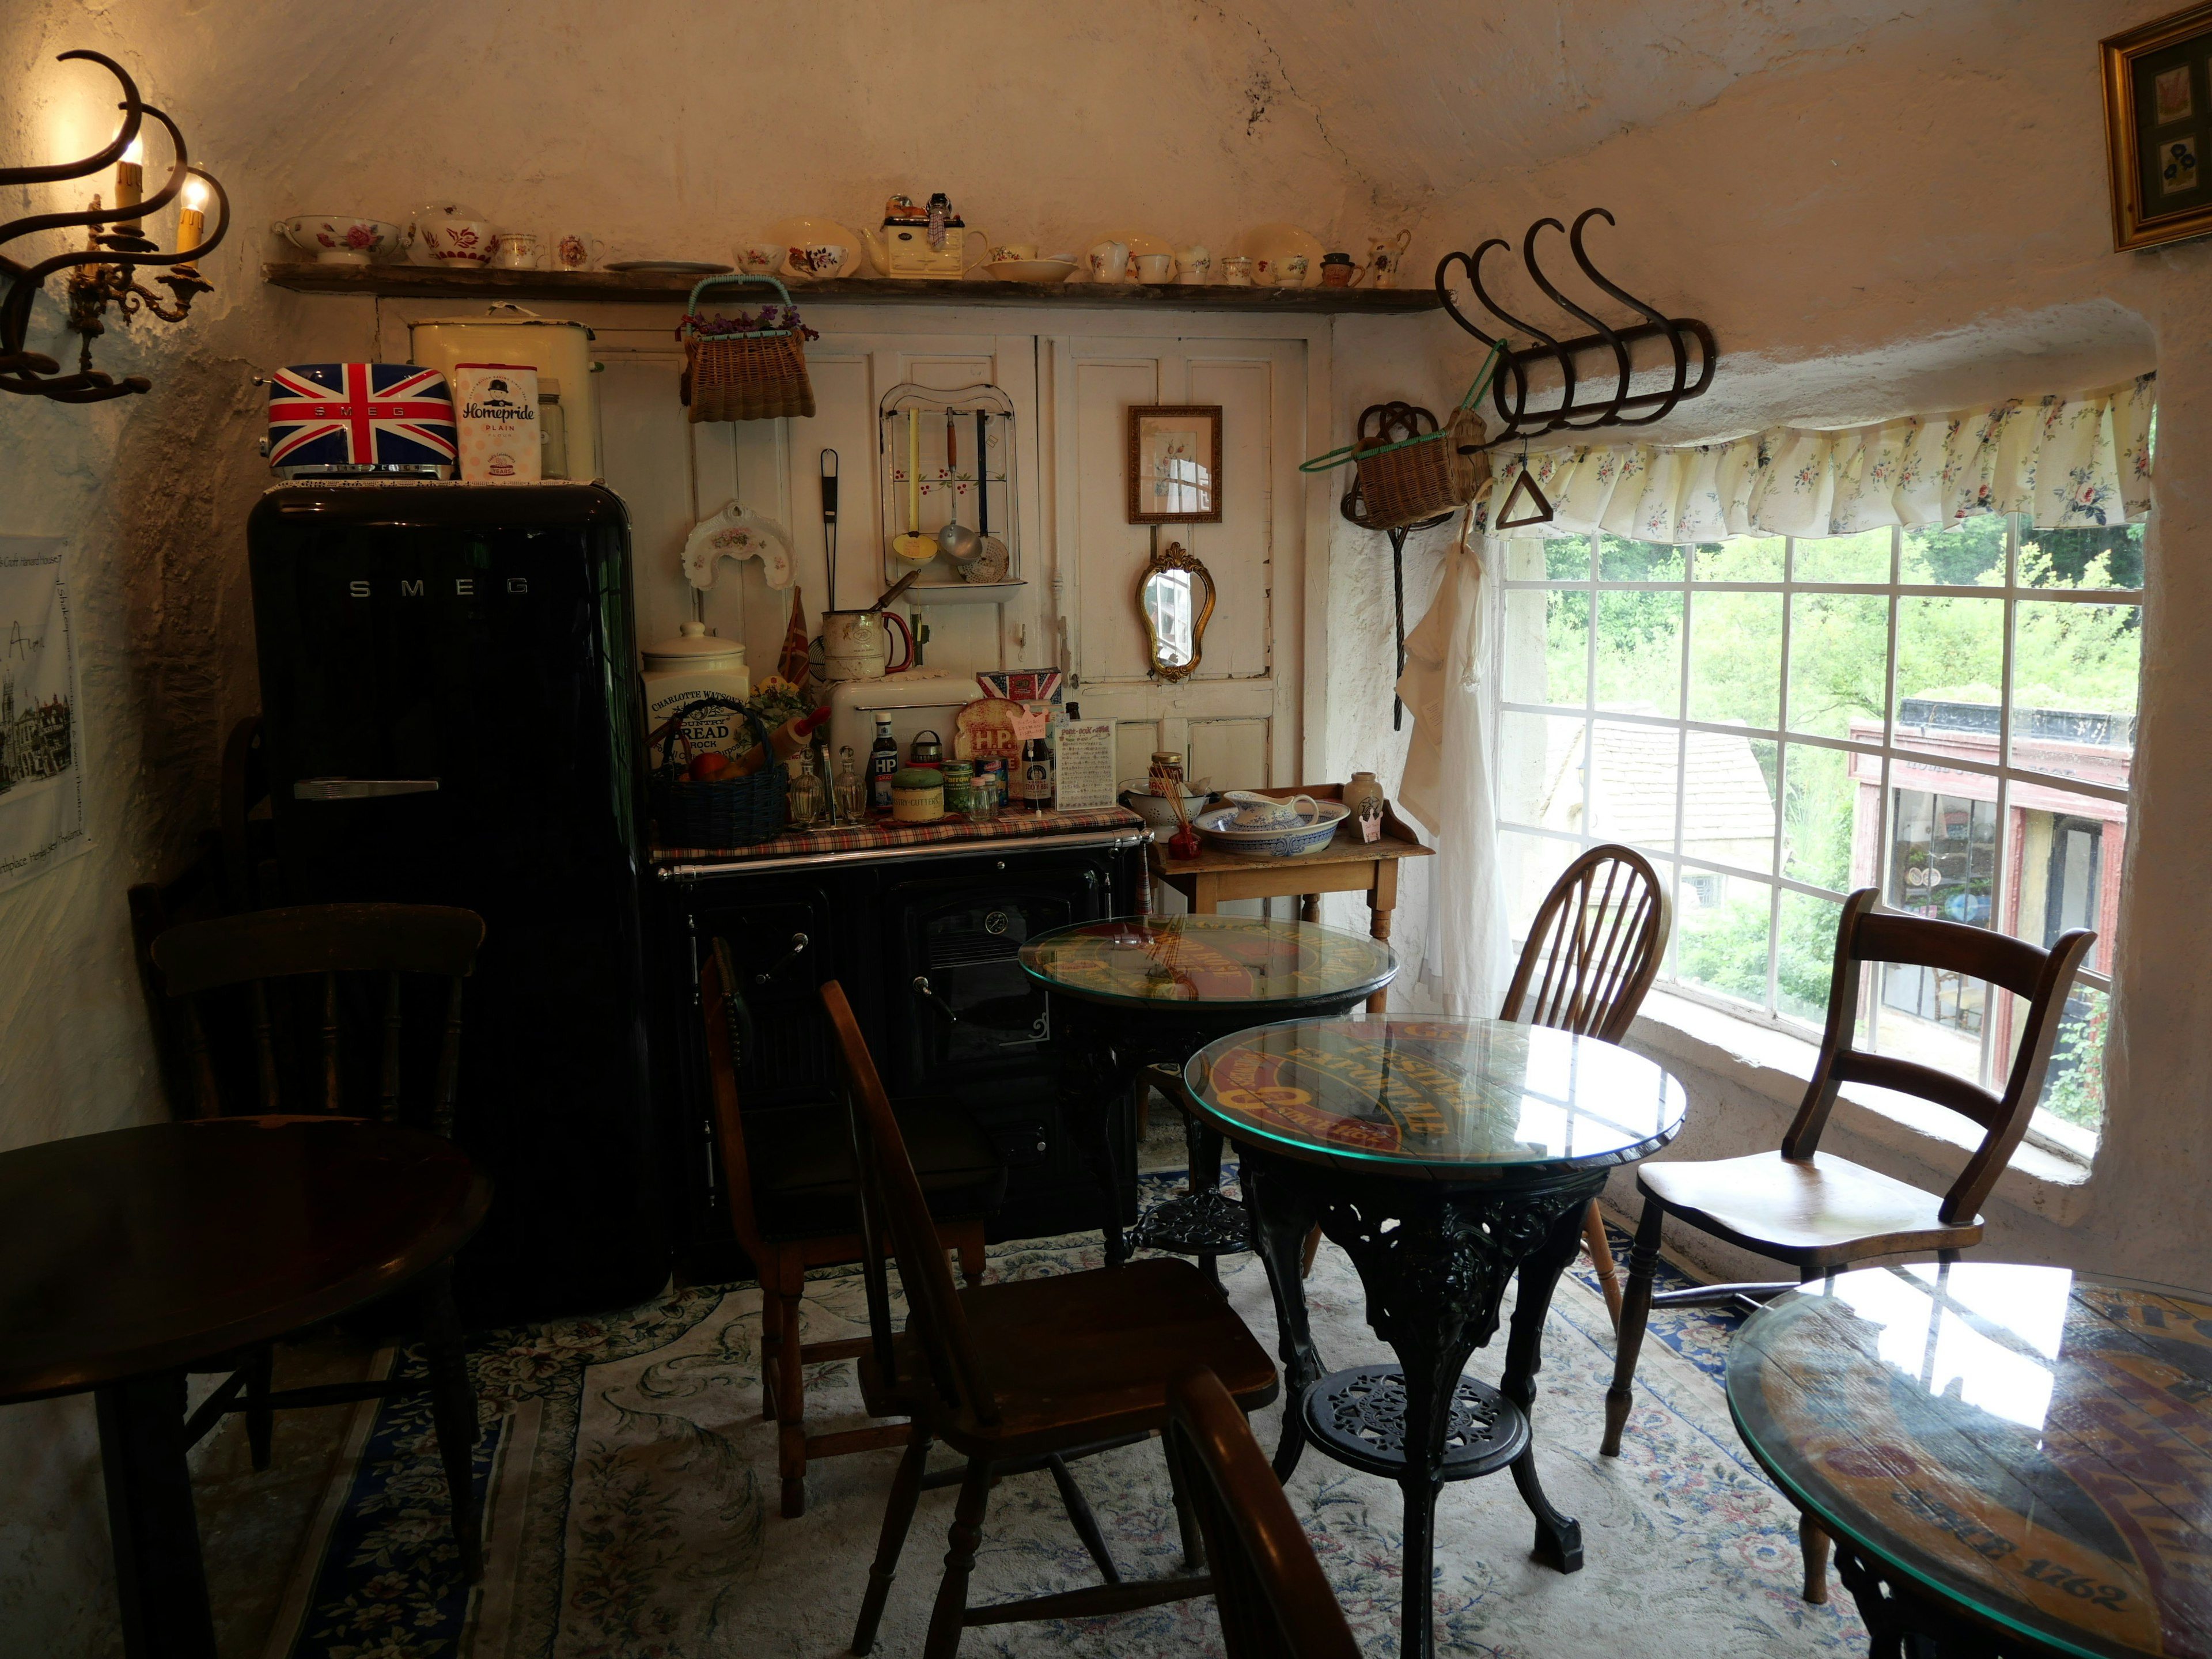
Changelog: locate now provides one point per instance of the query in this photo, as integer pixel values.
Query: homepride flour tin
(495, 406)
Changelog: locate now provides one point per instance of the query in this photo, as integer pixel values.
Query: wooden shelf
(433, 283)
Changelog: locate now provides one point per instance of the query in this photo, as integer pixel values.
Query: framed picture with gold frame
(2158, 120)
(1175, 464)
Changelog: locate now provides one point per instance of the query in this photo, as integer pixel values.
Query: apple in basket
(708, 767)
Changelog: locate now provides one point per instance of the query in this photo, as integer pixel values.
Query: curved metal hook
(1664, 322)
(107, 157)
(1605, 332)
(1443, 292)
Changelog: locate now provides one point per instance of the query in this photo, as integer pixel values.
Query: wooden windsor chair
(793, 1204)
(1597, 941)
(1275, 1601)
(1022, 1375)
(268, 999)
(1818, 1212)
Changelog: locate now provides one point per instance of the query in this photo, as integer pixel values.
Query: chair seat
(1819, 1214)
(1083, 1357)
(802, 1168)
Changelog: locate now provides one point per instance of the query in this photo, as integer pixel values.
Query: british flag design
(360, 415)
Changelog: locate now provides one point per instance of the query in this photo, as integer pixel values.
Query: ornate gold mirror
(1176, 595)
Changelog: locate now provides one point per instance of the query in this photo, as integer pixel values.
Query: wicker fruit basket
(725, 811)
(755, 373)
(1426, 476)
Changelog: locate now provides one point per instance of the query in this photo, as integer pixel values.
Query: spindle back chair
(1020, 1374)
(1598, 938)
(258, 962)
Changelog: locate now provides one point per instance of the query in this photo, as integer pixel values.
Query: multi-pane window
(1946, 715)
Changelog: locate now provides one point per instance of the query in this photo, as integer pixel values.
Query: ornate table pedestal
(1443, 1156)
(1132, 992)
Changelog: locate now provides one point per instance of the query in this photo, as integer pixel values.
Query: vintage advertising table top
(1447, 1098)
(1158, 961)
(2030, 1444)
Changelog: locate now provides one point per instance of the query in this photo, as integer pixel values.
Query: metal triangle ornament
(1541, 512)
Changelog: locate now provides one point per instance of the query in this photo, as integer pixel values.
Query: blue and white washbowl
(1313, 831)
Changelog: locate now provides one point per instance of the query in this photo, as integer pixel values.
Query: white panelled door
(1236, 719)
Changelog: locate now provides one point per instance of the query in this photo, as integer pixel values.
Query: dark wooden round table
(1132, 992)
(1443, 1156)
(2011, 1459)
(126, 1257)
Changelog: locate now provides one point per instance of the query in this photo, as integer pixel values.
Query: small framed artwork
(1175, 464)
(2158, 117)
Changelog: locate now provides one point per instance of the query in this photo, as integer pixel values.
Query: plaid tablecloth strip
(864, 837)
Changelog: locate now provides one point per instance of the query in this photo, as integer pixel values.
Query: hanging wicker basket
(1427, 475)
(727, 811)
(759, 375)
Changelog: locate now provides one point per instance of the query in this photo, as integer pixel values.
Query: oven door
(966, 1012)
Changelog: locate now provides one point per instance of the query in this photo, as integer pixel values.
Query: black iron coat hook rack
(1689, 343)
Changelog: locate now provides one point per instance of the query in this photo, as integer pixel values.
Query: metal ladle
(956, 541)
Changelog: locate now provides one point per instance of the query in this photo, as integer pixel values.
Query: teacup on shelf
(338, 239)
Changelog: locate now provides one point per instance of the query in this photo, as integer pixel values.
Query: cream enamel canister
(559, 349)
(696, 664)
(495, 410)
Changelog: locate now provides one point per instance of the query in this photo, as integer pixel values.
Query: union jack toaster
(347, 419)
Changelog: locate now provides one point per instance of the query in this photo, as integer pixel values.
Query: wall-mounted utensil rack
(942, 489)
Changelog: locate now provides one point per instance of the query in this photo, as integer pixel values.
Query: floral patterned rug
(631, 1507)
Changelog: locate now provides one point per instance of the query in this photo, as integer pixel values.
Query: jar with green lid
(917, 794)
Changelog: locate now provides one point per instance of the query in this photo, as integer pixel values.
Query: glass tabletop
(1208, 959)
(2033, 1444)
(1449, 1096)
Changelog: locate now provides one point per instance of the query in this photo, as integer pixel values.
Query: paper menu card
(1084, 776)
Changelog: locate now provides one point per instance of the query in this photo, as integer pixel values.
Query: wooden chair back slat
(270, 962)
(387, 1082)
(1274, 1601)
(888, 1185)
(2042, 978)
(1598, 938)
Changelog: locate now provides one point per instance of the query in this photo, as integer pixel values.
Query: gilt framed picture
(2158, 119)
(1175, 464)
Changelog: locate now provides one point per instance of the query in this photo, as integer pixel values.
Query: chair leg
(772, 1341)
(260, 1419)
(791, 1402)
(453, 1411)
(1813, 1542)
(1312, 1249)
(898, 1515)
(969, 1242)
(1600, 1255)
(1635, 1311)
(1194, 1537)
(945, 1618)
(1080, 1516)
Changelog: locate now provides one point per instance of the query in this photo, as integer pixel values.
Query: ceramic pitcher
(856, 644)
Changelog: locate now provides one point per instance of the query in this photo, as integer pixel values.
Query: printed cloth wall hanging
(2069, 463)
(41, 745)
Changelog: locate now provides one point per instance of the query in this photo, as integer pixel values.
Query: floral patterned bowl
(1216, 825)
(339, 238)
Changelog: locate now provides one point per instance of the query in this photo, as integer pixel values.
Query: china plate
(675, 267)
(1274, 242)
(819, 232)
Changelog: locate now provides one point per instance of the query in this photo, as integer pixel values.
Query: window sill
(1777, 1065)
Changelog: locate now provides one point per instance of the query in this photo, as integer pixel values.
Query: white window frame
(2067, 1139)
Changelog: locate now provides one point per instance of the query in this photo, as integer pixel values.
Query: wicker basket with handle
(758, 375)
(1432, 471)
(726, 811)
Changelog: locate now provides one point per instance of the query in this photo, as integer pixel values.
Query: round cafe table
(1131, 992)
(126, 1257)
(1443, 1156)
(2010, 1460)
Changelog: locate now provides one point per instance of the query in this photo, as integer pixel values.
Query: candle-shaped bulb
(191, 218)
(131, 184)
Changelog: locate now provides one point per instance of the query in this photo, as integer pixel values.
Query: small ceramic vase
(1109, 262)
(1364, 787)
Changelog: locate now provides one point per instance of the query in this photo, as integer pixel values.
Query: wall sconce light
(102, 274)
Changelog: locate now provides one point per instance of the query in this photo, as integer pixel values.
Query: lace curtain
(2069, 463)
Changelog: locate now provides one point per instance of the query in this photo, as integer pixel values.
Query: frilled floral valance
(2068, 462)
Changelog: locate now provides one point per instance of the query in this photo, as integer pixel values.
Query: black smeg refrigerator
(451, 716)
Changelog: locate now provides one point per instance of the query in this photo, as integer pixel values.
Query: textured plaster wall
(1878, 207)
